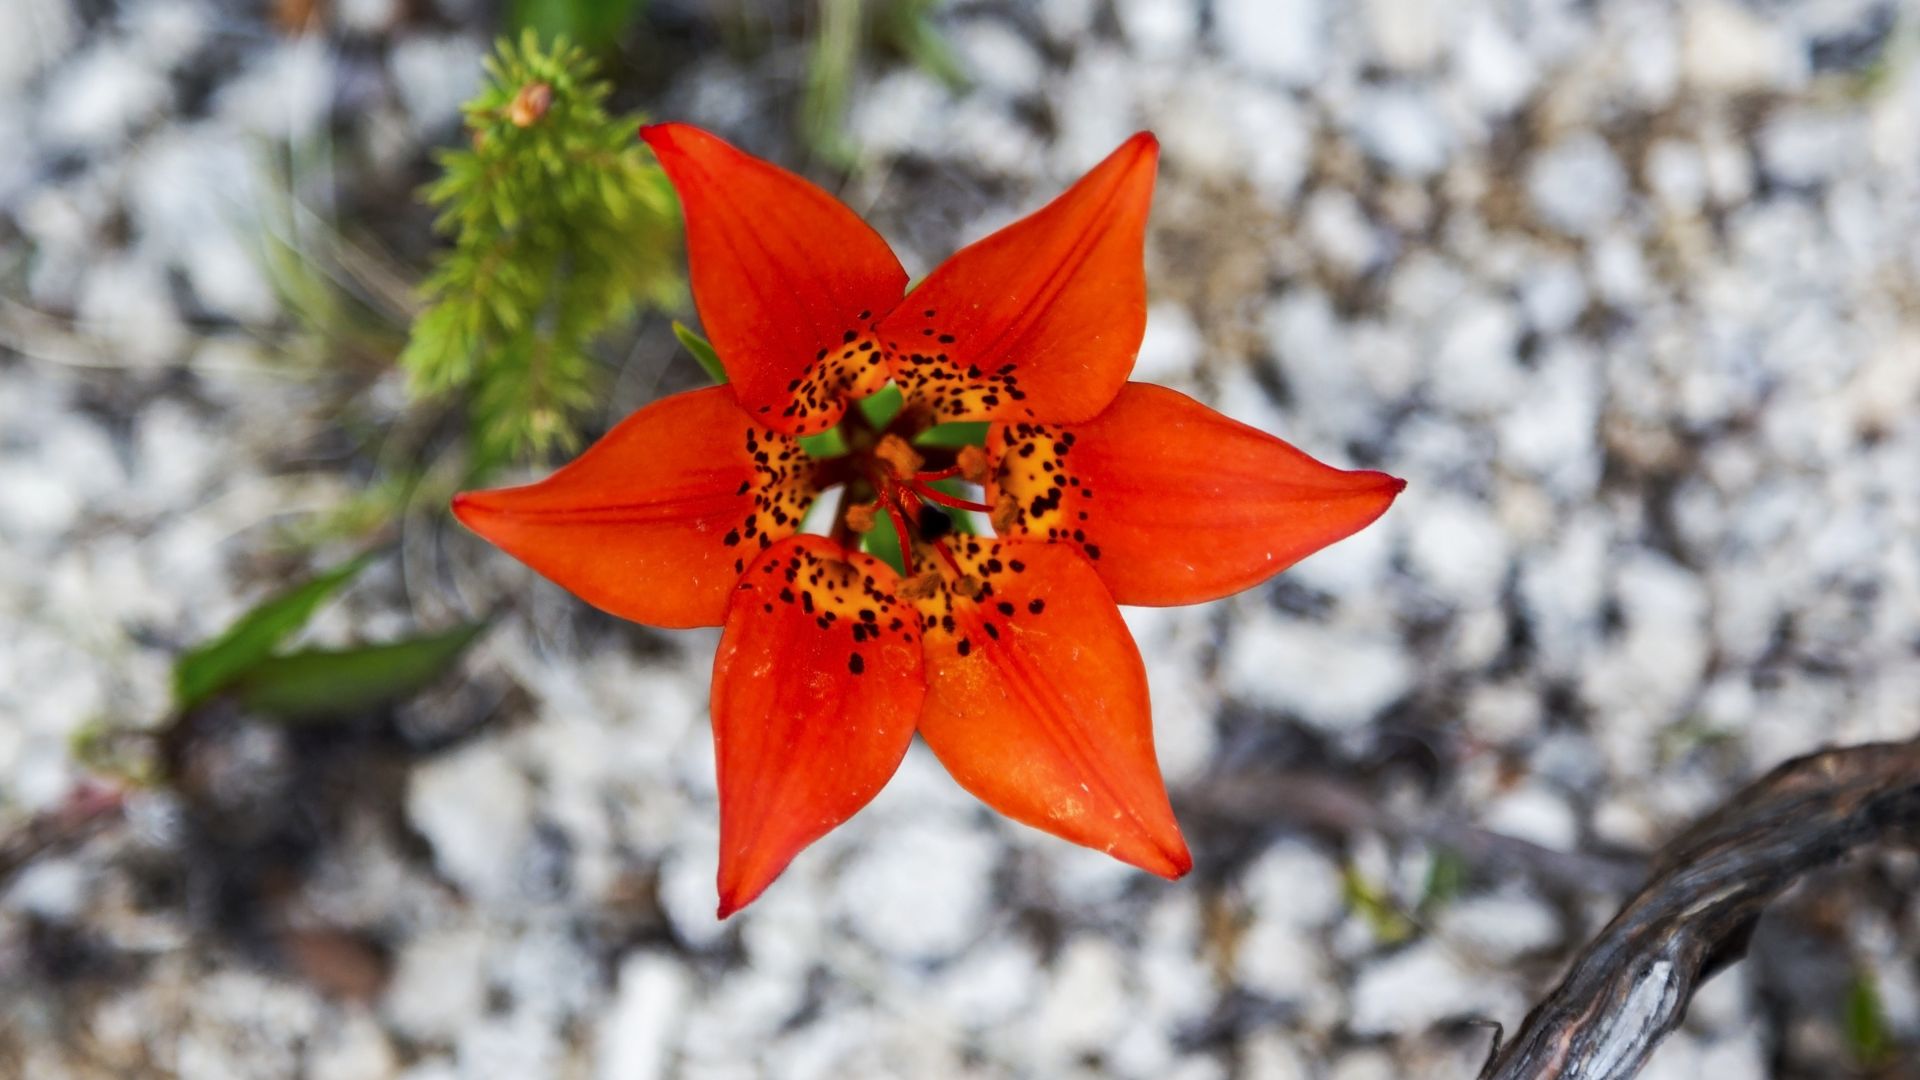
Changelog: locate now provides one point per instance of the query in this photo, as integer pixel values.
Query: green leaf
(702, 351)
(955, 435)
(319, 684)
(212, 667)
(962, 519)
(883, 543)
(881, 407)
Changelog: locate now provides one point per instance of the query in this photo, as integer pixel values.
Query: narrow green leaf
(830, 72)
(1865, 1022)
(211, 667)
(1446, 880)
(909, 28)
(701, 350)
(1389, 924)
(955, 435)
(319, 684)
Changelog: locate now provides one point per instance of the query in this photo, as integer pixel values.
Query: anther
(898, 456)
(972, 464)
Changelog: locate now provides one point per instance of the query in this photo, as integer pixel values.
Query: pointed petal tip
(1169, 858)
(1370, 484)
(1140, 151)
(740, 885)
(658, 135)
(484, 512)
(1182, 865)
(472, 509)
(735, 892)
(1390, 484)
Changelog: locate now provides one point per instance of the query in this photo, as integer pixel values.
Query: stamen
(900, 530)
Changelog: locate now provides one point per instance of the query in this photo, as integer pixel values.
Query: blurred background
(1627, 290)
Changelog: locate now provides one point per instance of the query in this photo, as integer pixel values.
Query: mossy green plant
(563, 226)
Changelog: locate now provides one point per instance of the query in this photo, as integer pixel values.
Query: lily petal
(1041, 320)
(656, 521)
(786, 279)
(1037, 702)
(816, 688)
(1173, 502)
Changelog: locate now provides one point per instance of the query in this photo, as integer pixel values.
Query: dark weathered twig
(87, 808)
(1630, 986)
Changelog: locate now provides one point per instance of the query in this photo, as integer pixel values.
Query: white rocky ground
(1628, 291)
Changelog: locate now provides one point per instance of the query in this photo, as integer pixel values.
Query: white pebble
(640, 1028)
(1332, 679)
(1476, 367)
(1340, 231)
(1284, 40)
(1411, 990)
(474, 807)
(438, 985)
(1498, 72)
(920, 890)
(1533, 813)
(1458, 547)
(1408, 35)
(1676, 173)
(1158, 28)
(1503, 927)
(1403, 130)
(1729, 48)
(101, 97)
(1173, 346)
(1577, 185)
(1295, 884)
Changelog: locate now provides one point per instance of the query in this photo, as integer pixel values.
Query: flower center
(902, 480)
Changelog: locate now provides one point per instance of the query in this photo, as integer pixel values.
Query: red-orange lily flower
(1007, 654)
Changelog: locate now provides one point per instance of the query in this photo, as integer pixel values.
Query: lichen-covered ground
(1628, 291)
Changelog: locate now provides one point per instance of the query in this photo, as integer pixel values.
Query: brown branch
(1631, 985)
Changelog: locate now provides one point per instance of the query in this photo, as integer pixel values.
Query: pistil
(933, 494)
